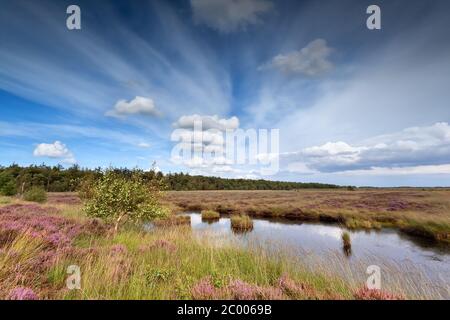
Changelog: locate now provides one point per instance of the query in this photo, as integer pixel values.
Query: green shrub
(9, 189)
(7, 184)
(116, 198)
(35, 194)
(86, 188)
(4, 200)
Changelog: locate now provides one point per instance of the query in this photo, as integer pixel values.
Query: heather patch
(118, 250)
(284, 288)
(21, 293)
(63, 198)
(33, 239)
(374, 294)
(163, 244)
(205, 290)
(295, 289)
(41, 222)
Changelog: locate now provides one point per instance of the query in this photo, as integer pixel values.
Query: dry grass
(243, 222)
(421, 212)
(210, 215)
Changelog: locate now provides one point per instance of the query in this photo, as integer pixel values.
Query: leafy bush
(85, 189)
(35, 194)
(116, 198)
(9, 189)
(7, 184)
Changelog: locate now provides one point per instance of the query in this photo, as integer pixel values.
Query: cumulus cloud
(312, 60)
(56, 150)
(229, 15)
(137, 106)
(415, 148)
(207, 122)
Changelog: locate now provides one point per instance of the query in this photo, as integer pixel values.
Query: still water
(407, 254)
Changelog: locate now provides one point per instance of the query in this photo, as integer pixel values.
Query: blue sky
(352, 105)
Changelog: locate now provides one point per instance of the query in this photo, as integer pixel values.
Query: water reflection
(239, 231)
(347, 250)
(210, 220)
(346, 244)
(321, 239)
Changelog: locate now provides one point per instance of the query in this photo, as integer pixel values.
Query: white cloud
(229, 15)
(137, 106)
(57, 150)
(420, 149)
(207, 122)
(312, 60)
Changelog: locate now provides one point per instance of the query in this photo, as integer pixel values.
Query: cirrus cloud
(229, 15)
(312, 60)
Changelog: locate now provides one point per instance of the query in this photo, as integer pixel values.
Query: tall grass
(17, 266)
(168, 263)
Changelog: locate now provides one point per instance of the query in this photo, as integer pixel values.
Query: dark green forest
(16, 179)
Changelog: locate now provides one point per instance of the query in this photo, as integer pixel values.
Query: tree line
(16, 179)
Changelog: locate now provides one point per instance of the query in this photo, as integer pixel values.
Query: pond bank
(424, 214)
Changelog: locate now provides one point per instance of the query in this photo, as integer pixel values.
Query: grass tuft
(210, 215)
(241, 222)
